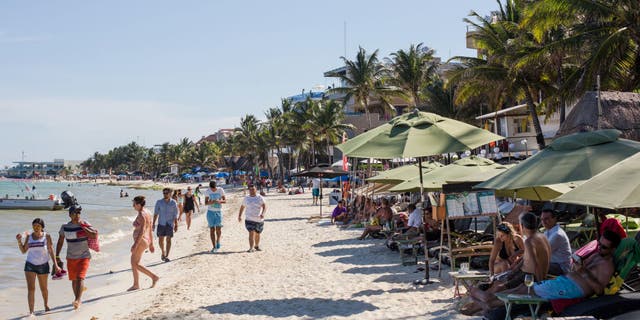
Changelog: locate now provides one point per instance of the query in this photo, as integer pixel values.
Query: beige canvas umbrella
(615, 188)
(404, 173)
(569, 159)
(465, 167)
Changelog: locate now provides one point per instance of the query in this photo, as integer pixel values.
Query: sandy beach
(307, 270)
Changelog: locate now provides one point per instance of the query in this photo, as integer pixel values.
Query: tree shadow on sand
(298, 307)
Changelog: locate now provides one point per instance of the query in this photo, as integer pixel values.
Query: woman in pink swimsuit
(142, 239)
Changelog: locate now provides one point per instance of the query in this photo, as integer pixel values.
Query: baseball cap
(73, 209)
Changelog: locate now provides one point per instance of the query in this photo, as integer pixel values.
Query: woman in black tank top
(190, 204)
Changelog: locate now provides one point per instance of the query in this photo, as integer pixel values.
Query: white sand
(305, 271)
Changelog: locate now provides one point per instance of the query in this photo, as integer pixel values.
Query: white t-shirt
(415, 218)
(315, 183)
(253, 207)
(215, 195)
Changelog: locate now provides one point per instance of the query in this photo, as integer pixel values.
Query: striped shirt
(77, 245)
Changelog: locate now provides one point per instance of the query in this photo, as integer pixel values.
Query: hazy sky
(78, 77)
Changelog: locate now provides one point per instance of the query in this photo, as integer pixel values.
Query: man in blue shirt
(559, 242)
(166, 214)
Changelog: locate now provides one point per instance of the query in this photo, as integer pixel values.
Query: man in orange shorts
(76, 232)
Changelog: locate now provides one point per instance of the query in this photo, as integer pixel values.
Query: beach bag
(93, 243)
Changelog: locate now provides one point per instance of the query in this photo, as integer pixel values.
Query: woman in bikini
(507, 248)
(142, 239)
(39, 249)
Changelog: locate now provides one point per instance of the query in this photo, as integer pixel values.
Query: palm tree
(325, 123)
(605, 34)
(364, 80)
(246, 138)
(503, 73)
(205, 155)
(412, 70)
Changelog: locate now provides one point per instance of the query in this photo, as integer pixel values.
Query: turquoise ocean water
(102, 207)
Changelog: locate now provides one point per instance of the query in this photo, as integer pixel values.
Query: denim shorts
(38, 269)
(164, 230)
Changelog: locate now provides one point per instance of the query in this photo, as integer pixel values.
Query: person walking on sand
(214, 199)
(76, 233)
(315, 190)
(142, 239)
(39, 248)
(254, 221)
(197, 193)
(166, 214)
(190, 204)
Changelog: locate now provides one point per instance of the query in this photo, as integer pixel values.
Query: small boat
(30, 200)
(31, 204)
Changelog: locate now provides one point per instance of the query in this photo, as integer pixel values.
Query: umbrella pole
(320, 198)
(424, 232)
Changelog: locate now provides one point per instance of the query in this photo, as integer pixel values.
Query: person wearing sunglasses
(589, 277)
(166, 214)
(76, 232)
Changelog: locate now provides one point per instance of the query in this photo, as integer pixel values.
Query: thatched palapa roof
(620, 110)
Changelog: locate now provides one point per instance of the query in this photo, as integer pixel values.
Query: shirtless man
(537, 254)
(589, 277)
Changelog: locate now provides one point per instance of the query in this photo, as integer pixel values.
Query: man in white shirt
(315, 190)
(415, 218)
(254, 221)
(560, 248)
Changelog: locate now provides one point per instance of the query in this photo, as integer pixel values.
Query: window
(521, 125)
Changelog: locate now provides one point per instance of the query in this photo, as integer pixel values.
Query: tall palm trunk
(366, 111)
(563, 107)
(280, 165)
(534, 115)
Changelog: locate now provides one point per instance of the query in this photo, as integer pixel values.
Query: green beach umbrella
(481, 176)
(615, 188)
(433, 180)
(572, 158)
(404, 173)
(416, 134)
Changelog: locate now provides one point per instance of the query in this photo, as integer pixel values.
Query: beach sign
(470, 204)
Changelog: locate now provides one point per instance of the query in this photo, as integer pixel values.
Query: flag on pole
(345, 163)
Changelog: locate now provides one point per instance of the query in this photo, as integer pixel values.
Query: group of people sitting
(547, 256)
(381, 220)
